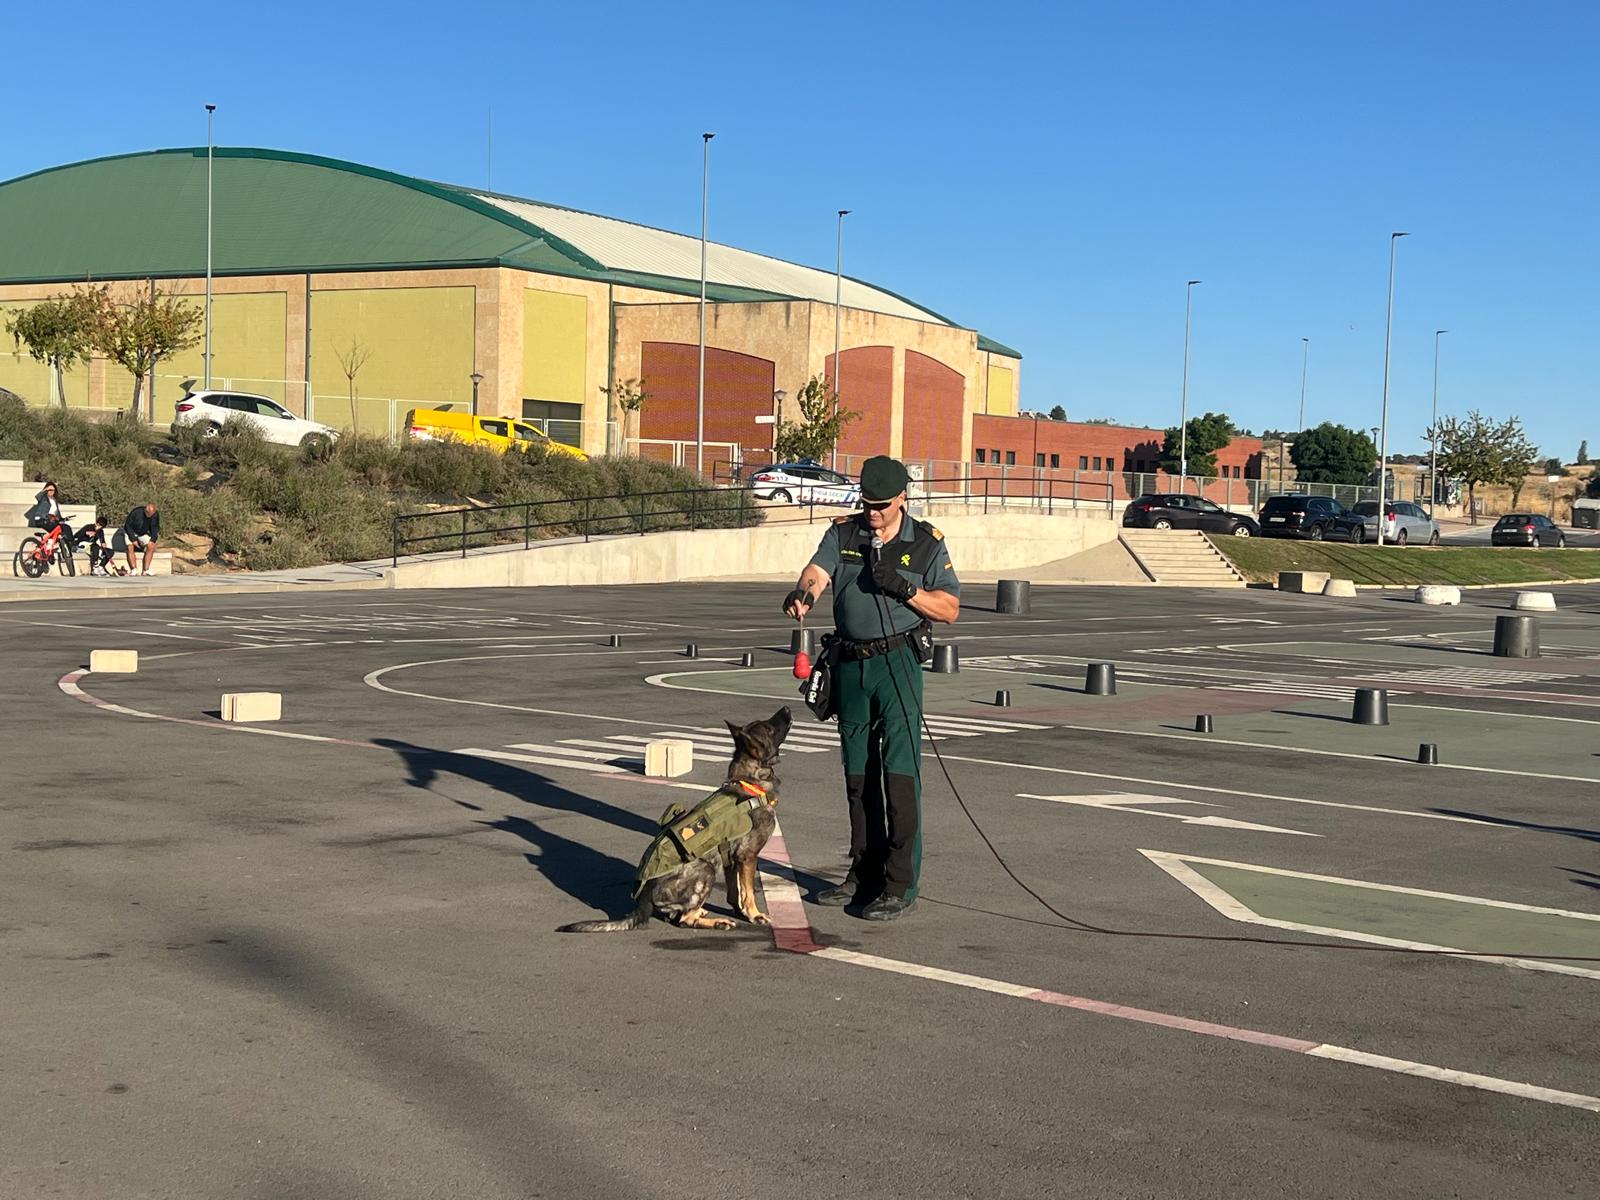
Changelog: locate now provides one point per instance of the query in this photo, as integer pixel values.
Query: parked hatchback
(211, 410)
(1526, 529)
(1169, 510)
(1313, 517)
(804, 482)
(1403, 522)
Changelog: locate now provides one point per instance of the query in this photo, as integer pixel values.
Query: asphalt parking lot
(316, 958)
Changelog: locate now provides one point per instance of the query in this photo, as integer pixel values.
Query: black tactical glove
(793, 601)
(890, 582)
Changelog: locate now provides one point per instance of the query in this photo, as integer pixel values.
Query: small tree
(58, 332)
(630, 396)
(1332, 453)
(822, 423)
(1476, 449)
(1058, 413)
(351, 359)
(1518, 458)
(1553, 466)
(1207, 435)
(137, 331)
(1583, 453)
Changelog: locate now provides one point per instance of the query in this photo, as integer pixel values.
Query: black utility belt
(919, 641)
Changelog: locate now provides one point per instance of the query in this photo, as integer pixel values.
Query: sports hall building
(436, 283)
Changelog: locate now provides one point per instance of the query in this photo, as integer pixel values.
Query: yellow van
(498, 433)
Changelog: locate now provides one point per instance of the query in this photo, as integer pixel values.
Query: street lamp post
(211, 112)
(1183, 417)
(476, 380)
(1383, 440)
(838, 296)
(700, 402)
(1433, 429)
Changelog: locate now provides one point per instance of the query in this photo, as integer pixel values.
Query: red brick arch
(738, 390)
(866, 387)
(935, 411)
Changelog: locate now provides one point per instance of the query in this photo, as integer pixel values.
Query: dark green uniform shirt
(858, 605)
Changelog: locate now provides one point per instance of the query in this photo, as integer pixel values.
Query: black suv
(1168, 510)
(1313, 517)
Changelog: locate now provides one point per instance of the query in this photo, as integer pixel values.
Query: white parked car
(804, 483)
(276, 423)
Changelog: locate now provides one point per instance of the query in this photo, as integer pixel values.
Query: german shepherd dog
(681, 896)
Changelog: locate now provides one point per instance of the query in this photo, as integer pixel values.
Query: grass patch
(271, 507)
(1260, 559)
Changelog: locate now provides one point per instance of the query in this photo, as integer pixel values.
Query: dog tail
(637, 919)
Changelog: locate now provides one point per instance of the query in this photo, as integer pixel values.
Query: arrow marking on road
(1125, 802)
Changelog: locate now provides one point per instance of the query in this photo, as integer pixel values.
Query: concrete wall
(978, 544)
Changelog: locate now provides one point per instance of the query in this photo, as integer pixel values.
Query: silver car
(1403, 523)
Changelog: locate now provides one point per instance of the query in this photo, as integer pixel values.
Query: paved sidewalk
(332, 577)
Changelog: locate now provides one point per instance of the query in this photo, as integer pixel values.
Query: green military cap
(883, 478)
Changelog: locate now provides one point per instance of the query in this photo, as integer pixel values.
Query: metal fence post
(586, 518)
(463, 533)
(394, 529)
(527, 526)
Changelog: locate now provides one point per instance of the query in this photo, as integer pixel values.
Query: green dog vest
(704, 831)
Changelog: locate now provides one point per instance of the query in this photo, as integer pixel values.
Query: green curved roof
(137, 216)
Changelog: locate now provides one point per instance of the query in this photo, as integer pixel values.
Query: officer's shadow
(596, 879)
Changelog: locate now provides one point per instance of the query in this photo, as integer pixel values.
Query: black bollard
(1012, 596)
(1202, 723)
(1371, 707)
(946, 659)
(1428, 754)
(747, 659)
(1516, 636)
(691, 651)
(1100, 680)
(1002, 699)
(614, 640)
(802, 641)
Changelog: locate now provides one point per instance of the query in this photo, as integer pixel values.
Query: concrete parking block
(668, 758)
(1308, 583)
(1535, 601)
(113, 662)
(1339, 587)
(1438, 593)
(252, 706)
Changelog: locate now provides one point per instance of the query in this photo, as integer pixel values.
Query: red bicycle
(39, 552)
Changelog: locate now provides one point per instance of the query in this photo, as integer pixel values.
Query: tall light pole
(700, 403)
(1383, 440)
(1305, 363)
(211, 113)
(1183, 418)
(1433, 429)
(838, 296)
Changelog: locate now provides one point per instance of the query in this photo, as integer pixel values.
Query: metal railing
(577, 516)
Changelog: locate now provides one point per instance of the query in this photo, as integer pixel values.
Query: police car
(805, 482)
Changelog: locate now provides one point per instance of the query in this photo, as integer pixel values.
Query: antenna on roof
(491, 148)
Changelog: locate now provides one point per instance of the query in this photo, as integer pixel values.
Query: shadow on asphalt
(1587, 835)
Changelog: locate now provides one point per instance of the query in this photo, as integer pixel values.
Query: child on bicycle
(93, 535)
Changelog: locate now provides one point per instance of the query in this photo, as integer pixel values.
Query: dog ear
(736, 730)
(782, 719)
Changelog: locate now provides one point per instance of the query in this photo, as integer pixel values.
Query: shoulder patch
(843, 519)
(935, 532)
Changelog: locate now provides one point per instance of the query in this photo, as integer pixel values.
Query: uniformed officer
(892, 577)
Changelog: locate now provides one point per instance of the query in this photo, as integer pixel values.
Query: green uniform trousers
(880, 720)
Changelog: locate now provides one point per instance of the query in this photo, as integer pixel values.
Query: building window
(1083, 462)
(1055, 460)
(1236, 472)
(994, 457)
(1038, 460)
(980, 456)
(1011, 458)
(1096, 462)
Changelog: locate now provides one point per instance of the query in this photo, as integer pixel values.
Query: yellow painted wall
(421, 343)
(1002, 392)
(554, 346)
(19, 373)
(247, 343)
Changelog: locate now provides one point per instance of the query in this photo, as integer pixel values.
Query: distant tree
(1060, 414)
(1554, 466)
(1099, 421)
(1332, 453)
(58, 332)
(1276, 435)
(1583, 453)
(141, 328)
(351, 359)
(822, 423)
(1207, 435)
(1476, 449)
(630, 397)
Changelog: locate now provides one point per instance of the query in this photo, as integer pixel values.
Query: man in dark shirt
(143, 530)
(891, 574)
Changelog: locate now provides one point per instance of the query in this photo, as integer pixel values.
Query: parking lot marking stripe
(1255, 1037)
(791, 930)
(616, 752)
(1200, 787)
(541, 760)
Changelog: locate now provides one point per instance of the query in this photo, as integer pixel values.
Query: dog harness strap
(704, 831)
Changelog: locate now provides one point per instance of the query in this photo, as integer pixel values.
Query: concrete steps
(1181, 558)
(19, 495)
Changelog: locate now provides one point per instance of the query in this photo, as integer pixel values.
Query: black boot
(889, 908)
(858, 888)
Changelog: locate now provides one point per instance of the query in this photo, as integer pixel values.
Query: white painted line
(1124, 803)
(1230, 906)
(617, 752)
(543, 761)
(1486, 1083)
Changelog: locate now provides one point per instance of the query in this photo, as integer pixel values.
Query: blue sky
(1050, 174)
